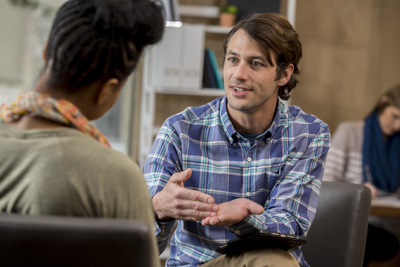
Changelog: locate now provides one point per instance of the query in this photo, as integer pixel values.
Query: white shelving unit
(148, 130)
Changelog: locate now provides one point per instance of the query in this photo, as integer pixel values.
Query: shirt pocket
(267, 176)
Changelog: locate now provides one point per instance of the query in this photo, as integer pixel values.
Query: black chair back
(338, 234)
(30, 240)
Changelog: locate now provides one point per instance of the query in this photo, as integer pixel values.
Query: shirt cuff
(163, 228)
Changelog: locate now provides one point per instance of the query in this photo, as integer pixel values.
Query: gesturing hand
(177, 202)
(233, 212)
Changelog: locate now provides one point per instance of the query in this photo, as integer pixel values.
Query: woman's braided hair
(95, 40)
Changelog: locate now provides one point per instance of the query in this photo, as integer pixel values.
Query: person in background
(368, 152)
(53, 160)
(242, 162)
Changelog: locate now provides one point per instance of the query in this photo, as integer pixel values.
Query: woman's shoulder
(350, 127)
(348, 133)
(82, 150)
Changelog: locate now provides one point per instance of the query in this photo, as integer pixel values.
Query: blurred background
(350, 57)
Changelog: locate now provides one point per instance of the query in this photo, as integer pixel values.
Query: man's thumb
(255, 208)
(181, 176)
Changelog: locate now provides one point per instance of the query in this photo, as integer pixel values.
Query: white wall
(12, 42)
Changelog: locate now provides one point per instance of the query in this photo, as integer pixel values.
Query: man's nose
(241, 72)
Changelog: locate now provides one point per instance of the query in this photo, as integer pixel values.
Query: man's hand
(177, 202)
(233, 212)
(374, 190)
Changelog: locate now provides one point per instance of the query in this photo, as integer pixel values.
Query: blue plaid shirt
(282, 171)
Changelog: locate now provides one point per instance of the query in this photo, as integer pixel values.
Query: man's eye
(232, 59)
(255, 63)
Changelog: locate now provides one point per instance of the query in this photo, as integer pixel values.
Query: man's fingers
(214, 220)
(194, 206)
(191, 215)
(180, 177)
(197, 196)
(206, 221)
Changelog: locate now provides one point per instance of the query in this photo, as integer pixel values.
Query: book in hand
(261, 239)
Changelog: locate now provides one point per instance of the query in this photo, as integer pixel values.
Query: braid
(93, 40)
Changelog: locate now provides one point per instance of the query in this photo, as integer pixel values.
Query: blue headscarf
(381, 158)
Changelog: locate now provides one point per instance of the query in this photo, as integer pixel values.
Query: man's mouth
(239, 90)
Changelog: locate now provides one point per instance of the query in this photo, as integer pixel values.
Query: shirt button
(237, 232)
(248, 194)
(249, 159)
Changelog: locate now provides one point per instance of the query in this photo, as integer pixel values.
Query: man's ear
(45, 51)
(286, 74)
(107, 91)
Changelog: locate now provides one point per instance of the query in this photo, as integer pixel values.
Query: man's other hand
(177, 202)
(233, 212)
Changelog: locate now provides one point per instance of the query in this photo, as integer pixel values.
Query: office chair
(337, 236)
(31, 240)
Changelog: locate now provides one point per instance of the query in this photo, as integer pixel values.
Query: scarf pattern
(43, 105)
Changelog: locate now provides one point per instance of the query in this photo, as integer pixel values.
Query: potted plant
(227, 15)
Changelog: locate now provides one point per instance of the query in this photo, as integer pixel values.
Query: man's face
(249, 79)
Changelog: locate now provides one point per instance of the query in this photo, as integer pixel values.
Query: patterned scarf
(42, 105)
(381, 158)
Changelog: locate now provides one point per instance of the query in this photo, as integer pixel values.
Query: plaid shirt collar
(280, 119)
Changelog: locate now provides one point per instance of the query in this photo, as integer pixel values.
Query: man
(242, 162)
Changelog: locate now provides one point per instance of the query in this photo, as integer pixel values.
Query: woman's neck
(31, 122)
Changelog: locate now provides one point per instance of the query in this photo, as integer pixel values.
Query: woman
(368, 152)
(53, 160)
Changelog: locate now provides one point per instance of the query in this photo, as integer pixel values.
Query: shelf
(217, 29)
(199, 11)
(183, 91)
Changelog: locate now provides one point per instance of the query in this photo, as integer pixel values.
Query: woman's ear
(286, 74)
(384, 99)
(108, 93)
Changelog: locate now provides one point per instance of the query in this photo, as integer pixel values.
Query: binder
(168, 56)
(192, 56)
(180, 58)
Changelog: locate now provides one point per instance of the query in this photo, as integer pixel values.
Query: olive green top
(64, 172)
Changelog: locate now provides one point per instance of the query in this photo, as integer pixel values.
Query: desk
(386, 206)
